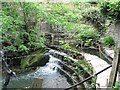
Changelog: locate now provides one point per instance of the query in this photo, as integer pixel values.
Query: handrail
(90, 77)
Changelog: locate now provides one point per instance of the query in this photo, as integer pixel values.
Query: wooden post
(115, 66)
(116, 59)
(37, 83)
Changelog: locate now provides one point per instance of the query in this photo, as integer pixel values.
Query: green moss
(24, 70)
(33, 58)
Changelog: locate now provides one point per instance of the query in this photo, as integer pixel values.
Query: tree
(19, 31)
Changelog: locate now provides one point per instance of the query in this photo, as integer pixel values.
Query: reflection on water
(49, 73)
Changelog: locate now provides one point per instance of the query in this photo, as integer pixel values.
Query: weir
(55, 74)
(51, 74)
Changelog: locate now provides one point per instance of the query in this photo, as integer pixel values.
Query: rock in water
(44, 59)
(40, 59)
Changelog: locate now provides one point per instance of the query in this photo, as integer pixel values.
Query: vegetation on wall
(70, 21)
(96, 19)
(19, 30)
(87, 34)
(111, 10)
(60, 15)
(108, 40)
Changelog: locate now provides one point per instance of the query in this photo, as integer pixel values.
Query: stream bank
(26, 63)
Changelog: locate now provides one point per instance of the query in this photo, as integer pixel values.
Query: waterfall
(48, 73)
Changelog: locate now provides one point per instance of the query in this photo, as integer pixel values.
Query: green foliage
(108, 40)
(10, 48)
(23, 48)
(19, 30)
(66, 59)
(111, 10)
(96, 18)
(58, 14)
(86, 65)
(116, 85)
(66, 46)
(18, 26)
(86, 32)
(93, 84)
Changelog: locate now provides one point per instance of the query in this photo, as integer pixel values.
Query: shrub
(66, 46)
(19, 31)
(96, 18)
(111, 10)
(108, 40)
(86, 32)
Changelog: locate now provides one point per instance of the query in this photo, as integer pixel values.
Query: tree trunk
(24, 15)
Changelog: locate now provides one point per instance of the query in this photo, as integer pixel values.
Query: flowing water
(48, 73)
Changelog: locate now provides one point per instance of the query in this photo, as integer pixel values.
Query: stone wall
(47, 28)
(117, 35)
(110, 30)
(114, 31)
